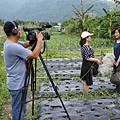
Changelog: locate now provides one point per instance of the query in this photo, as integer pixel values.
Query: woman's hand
(116, 63)
(98, 61)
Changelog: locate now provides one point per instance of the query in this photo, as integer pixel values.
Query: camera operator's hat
(86, 34)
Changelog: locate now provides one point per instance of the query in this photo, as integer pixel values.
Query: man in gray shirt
(15, 55)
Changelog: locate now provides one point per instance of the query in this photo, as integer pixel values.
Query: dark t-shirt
(116, 50)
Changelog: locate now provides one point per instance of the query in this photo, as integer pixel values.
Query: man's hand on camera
(39, 36)
(31, 42)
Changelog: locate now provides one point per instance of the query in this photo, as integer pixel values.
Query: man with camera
(15, 55)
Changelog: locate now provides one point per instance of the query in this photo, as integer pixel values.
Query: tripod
(31, 73)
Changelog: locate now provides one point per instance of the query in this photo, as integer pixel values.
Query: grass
(59, 46)
(93, 94)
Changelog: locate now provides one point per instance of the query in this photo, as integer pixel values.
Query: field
(59, 46)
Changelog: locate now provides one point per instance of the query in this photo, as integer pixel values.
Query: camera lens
(46, 35)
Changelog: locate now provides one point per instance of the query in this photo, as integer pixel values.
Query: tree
(69, 25)
(109, 20)
(82, 17)
(116, 1)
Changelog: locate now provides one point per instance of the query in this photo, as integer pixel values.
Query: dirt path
(6, 112)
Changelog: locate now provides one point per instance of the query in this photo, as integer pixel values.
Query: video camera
(31, 35)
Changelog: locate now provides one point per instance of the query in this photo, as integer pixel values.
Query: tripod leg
(32, 88)
(23, 100)
(53, 85)
(25, 88)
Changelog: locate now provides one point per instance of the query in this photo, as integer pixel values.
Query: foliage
(3, 91)
(101, 26)
(93, 94)
(60, 45)
(70, 26)
(109, 20)
(1, 22)
(67, 45)
(116, 1)
(82, 18)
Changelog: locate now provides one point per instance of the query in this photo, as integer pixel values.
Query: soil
(6, 112)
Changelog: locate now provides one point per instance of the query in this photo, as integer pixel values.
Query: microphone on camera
(27, 29)
(47, 26)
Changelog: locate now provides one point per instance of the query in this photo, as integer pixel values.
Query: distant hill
(47, 10)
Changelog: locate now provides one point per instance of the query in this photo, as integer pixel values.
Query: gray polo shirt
(14, 58)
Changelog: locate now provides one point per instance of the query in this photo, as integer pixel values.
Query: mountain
(47, 10)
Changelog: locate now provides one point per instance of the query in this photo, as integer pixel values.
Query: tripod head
(31, 35)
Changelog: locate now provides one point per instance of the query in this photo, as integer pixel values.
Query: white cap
(86, 34)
